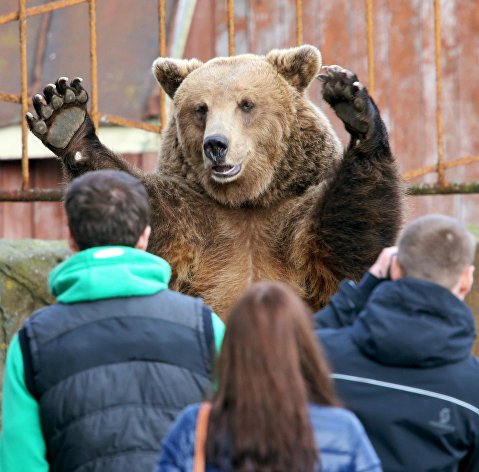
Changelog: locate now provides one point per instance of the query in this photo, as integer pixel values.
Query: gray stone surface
(24, 268)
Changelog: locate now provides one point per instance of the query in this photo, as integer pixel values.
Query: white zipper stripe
(405, 388)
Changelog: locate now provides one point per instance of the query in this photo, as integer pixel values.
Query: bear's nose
(215, 147)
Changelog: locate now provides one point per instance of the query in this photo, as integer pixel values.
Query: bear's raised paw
(61, 111)
(349, 99)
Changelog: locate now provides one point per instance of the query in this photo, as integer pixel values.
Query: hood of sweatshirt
(412, 322)
(109, 272)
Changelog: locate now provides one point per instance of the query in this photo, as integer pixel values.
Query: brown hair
(270, 367)
(106, 208)
(436, 248)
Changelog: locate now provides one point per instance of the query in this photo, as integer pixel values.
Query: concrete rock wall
(24, 268)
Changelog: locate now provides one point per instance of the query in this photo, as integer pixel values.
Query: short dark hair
(436, 248)
(106, 208)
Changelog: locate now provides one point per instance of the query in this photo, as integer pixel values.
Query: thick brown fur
(299, 211)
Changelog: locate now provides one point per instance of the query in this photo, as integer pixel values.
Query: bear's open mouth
(226, 171)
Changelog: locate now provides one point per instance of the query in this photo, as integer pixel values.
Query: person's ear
(142, 242)
(395, 270)
(464, 285)
(71, 242)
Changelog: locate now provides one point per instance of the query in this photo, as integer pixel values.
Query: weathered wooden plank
(49, 221)
(201, 40)
(17, 216)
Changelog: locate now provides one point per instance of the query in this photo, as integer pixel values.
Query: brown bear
(252, 182)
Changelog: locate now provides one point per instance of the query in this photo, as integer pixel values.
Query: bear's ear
(299, 66)
(171, 72)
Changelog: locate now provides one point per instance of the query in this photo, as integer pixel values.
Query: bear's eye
(246, 105)
(202, 109)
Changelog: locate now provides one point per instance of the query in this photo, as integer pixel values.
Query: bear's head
(240, 124)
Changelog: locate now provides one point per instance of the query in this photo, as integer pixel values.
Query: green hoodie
(89, 275)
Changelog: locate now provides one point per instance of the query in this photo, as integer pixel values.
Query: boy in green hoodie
(94, 381)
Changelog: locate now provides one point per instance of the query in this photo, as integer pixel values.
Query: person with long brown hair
(274, 408)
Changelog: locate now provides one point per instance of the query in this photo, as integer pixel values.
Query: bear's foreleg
(361, 210)
(64, 126)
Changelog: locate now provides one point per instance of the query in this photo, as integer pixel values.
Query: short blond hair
(436, 248)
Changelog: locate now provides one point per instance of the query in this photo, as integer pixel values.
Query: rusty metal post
(370, 41)
(162, 35)
(93, 63)
(441, 178)
(24, 94)
(299, 22)
(31, 195)
(38, 10)
(231, 27)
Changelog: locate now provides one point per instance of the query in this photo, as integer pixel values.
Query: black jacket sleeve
(347, 303)
(470, 463)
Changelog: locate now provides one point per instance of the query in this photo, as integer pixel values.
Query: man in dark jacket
(399, 344)
(94, 381)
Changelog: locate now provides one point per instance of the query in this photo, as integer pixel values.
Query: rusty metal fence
(26, 193)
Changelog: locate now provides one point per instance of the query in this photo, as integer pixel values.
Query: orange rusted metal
(231, 27)
(13, 16)
(9, 97)
(22, 22)
(93, 63)
(370, 40)
(299, 22)
(31, 195)
(462, 161)
(162, 34)
(441, 178)
(118, 120)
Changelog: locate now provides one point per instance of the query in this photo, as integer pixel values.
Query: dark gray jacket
(111, 375)
(400, 353)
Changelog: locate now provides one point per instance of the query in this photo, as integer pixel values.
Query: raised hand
(61, 111)
(349, 99)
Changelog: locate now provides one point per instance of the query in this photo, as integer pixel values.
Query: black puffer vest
(110, 376)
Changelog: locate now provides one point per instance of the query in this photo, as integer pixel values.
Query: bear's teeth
(226, 170)
(222, 169)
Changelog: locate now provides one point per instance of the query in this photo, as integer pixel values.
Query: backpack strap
(200, 437)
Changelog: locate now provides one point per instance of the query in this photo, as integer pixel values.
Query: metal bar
(433, 167)
(9, 97)
(412, 174)
(162, 34)
(370, 40)
(93, 63)
(231, 27)
(31, 195)
(56, 195)
(450, 188)
(22, 23)
(118, 120)
(12, 98)
(299, 22)
(32, 11)
(441, 178)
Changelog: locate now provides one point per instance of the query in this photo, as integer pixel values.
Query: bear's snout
(216, 148)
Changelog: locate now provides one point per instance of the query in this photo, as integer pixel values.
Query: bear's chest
(245, 244)
(239, 248)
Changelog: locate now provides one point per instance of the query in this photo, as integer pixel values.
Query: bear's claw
(349, 99)
(61, 110)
